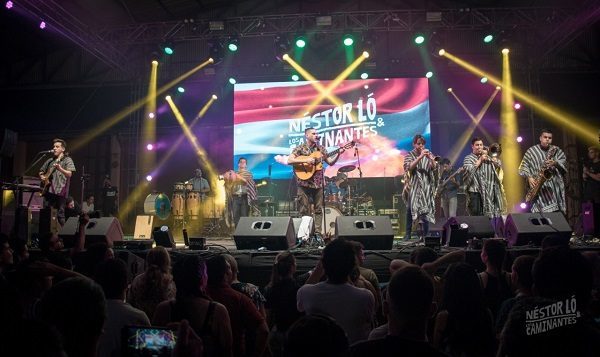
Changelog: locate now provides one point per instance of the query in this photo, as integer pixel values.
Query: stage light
(519, 139)
(419, 39)
(214, 97)
(233, 44)
(285, 56)
(216, 50)
(517, 106)
(449, 90)
(488, 38)
(483, 80)
(149, 147)
(295, 77)
(42, 25)
(148, 178)
(300, 42)
(168, 97)
(348, 40)
(168, 49)
(211, 60)
(9, 5)
(365, 54)
(429, 74)
(151, 115)
(523, 205)
(232, 80)
(155, 62)
(505, 51)
(442, 52)
(364, 75)
(281, 46)
(498, 87)
(180, 89)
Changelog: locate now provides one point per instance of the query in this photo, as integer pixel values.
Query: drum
(178, 186)
(178, 205)
(189, 186)
(192, 204)
(157, 204)
(331, 213)
(333, 200)
(211, 210)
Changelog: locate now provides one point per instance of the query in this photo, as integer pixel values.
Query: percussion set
(344, 199)
(189, 205)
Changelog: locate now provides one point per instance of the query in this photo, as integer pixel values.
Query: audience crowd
(76, 302)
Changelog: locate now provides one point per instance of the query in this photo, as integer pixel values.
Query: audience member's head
(111, 274)
(561, 272)
(219, 271)
(522, 275)
(410, 296)
(554, 240)
(462, 290)
(233, 264)
(189, 274)
(338, 261)
(316, 335)
(19, 340)
(158, 257)
(50, 242)
(94, 255)
(493, 252)
(422, 255)
(20, 250)
(77, 309)
(284, 267)
(359, 252)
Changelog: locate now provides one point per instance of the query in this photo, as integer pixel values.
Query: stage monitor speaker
(143, 227)
(458, 230)
(163, 237)
(272, 233)
(531, 228)
(106, 230)
(374, 232)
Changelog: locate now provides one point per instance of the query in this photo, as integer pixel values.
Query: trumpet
(495, 150)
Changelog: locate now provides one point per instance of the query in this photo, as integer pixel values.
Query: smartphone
(137, 341)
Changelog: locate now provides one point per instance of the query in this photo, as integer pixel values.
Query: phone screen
(148, 341)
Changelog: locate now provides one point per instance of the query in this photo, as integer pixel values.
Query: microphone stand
(360, 174)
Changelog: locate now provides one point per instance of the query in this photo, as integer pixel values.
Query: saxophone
(543, 175)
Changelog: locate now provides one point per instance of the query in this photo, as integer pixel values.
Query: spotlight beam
(577, 125)
(325, 92)
(149, 125)
(476, 119)
(117, 117)
(464, 138)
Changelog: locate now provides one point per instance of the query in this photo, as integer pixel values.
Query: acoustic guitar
(305, 171)
(47, 180)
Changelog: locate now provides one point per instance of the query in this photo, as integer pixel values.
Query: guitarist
(56, 175)
(311, 189)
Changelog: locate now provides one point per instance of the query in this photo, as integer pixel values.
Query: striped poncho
(485, 180)
(551, 196)
(423, 184)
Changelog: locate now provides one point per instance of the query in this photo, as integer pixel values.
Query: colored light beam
(325, 92)
(148, 157)
(117, 117)
(577, 125)
(511, 150)
(466, 135)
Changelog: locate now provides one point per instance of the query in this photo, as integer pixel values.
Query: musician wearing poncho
(483, 183)
(242, 192)
(551, 196)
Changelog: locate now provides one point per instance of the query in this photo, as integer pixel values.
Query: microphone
(355, 151)
(47, 151)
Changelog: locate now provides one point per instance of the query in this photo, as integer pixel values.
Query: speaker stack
(373, 232)
(458, 230)
(106, 230)
(531, 228)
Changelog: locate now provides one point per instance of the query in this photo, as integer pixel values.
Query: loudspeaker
(374, 232)
(48, 221)
(459, 229)
(163, 237)
(143, 227)
(272, 233)
(531, 228)
(105, 229)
